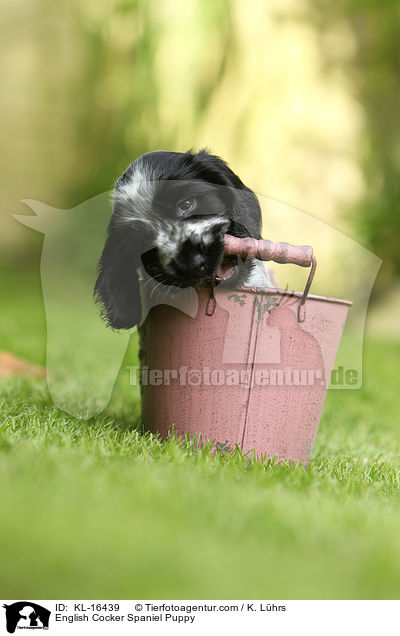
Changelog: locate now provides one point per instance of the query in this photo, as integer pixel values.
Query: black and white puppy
(170, 213)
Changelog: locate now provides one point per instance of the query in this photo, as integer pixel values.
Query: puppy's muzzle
(193, 249)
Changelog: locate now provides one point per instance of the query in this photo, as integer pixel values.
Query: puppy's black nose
(198, 265)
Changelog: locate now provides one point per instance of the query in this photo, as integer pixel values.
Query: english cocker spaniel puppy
(169, 215)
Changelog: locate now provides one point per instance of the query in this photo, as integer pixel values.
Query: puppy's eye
(186, 205)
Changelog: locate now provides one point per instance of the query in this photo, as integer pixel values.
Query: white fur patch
(259, 277)
(135, 198)
(202, 229)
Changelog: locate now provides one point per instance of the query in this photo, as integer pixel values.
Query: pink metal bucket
(251, 369)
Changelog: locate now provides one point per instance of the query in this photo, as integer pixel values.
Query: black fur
(223, 204)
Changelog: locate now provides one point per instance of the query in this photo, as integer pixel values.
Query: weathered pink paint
(268, 250)
(260, 334)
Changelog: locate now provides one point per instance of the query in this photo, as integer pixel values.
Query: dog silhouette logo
(26, 615)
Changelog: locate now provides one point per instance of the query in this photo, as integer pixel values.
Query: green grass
(97, 510)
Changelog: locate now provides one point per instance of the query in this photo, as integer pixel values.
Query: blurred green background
(301, 97)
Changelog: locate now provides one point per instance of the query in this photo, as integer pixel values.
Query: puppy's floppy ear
(117, 285)
(246, 212)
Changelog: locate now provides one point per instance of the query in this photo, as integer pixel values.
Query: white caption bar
(156, 617)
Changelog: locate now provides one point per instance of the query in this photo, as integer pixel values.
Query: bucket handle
(264, 250)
